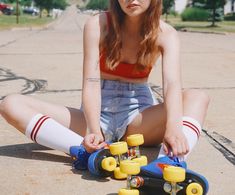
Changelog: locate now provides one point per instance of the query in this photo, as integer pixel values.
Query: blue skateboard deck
(153, 182)
(94, 163)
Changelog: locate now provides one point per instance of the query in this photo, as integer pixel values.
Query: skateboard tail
(196, 177)
(153, 173)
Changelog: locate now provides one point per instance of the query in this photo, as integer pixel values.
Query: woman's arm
(174, 139)
(91, 94)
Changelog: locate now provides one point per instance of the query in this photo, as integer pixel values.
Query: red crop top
(123, 69)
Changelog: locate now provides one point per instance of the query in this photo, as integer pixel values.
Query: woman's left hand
(175, 142)
(93, 142)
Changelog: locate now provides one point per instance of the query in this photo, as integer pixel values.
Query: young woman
(120, 48)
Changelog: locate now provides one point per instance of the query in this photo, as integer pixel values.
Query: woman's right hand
(93, 142)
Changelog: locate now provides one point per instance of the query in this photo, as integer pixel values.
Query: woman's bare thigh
(19, 110)
(151, 123)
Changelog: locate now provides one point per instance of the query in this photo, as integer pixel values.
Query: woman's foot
(80, 156)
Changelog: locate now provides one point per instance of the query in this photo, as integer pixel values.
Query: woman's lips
(132, 5)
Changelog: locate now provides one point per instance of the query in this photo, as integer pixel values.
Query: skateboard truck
(130, 168)
(118, 152)
(173, 175)
(134, 141)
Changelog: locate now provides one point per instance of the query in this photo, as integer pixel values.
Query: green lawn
(221, 27)
(7, 22)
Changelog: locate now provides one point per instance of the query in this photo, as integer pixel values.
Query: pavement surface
(47, 63)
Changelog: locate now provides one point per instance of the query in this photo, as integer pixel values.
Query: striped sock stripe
(32, 132)
(193, 127)
(35, 136)
(37, 127)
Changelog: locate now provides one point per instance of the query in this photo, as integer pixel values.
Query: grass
(221, 27)
(7, 22)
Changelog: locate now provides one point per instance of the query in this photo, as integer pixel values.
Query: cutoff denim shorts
(121, 102)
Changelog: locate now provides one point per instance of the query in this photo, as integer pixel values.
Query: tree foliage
(43, 4)
(98, 4)
(215, 7)
(50, 4)
(22, 2)
(167, 5)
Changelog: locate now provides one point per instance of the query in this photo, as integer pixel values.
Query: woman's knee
(11, 104)
(196, 95)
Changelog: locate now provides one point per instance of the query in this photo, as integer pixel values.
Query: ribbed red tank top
(123, 69)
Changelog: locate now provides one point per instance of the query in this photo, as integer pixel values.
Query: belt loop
(130, 86)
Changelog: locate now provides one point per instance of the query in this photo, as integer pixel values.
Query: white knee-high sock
(192, 130)
(47, 132)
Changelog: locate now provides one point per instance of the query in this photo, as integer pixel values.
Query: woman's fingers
(175, 147)
(93, 142)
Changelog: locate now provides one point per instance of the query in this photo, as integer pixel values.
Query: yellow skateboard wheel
(194, 189)
(118, 148)
(118, 174)
(141, 160)
(130, 167)
(135, 140)
(109, 164)
(174, 174)
(128, 192)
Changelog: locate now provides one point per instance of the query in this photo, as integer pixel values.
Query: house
(229, 7)
(181, 4)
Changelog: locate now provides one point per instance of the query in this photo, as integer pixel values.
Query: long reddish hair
(148, 49)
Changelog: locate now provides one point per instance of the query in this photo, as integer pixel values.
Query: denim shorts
(121, 103)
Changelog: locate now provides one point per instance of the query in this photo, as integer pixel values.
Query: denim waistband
(120, 85)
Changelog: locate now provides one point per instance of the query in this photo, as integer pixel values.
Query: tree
(216, 8)
(22, 2)
(232, 6)
(60, 4)
(44, 4)
(167, 5)
(98, 4)
(49, 4)
(196, 3)
(26, 2)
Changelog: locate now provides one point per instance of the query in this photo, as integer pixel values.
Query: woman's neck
(132, 25)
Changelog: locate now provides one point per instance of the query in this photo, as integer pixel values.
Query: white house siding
(227, 7)
(181, 4)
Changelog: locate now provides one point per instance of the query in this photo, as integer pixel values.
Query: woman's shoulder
(166, 29)
(166, 33)
(97, 22)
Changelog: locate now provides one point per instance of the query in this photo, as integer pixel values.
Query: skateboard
(173, 180)
(106, 162)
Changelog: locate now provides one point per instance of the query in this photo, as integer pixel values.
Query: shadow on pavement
(150, 152)
(32, 151)
(86, 175)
